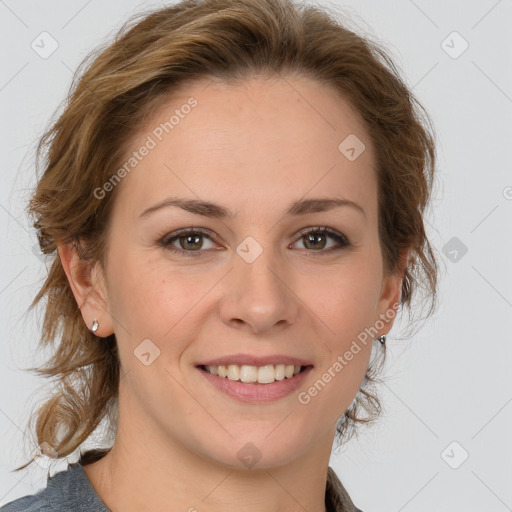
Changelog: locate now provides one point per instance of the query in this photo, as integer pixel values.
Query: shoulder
(66, 490)
(31, 503)
(337, 498)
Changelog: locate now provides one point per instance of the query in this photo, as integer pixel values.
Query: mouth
(255, 385)
(249, 374)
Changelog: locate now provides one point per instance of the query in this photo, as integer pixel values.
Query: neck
(146, 471)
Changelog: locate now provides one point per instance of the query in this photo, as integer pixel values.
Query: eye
(190, 241)
(316, 238)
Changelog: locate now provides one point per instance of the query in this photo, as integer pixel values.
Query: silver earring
(95, 326)
(382, 339)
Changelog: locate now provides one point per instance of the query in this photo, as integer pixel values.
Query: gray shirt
(68, 490)
(71, 490)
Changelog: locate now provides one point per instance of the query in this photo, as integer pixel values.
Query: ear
(391, 291)
(89, 288)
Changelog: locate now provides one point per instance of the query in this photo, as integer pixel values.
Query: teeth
(261, 374)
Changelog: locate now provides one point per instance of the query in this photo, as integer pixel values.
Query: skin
(178, 436)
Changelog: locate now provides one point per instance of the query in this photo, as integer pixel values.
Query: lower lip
(256, 392)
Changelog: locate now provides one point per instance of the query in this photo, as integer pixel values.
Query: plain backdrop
(443, 441)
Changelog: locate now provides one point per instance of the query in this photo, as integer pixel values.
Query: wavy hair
(121, 83)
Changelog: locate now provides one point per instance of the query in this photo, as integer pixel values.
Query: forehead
(277, 140)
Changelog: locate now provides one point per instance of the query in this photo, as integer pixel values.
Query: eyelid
(341, 239)
(324, 229)
(185, 231)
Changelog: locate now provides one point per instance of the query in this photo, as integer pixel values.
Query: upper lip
(250, 360)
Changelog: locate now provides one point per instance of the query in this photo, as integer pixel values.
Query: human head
(130, 80)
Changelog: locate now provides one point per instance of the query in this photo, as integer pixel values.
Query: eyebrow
(209, 209)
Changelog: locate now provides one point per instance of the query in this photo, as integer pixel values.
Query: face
(251, 278)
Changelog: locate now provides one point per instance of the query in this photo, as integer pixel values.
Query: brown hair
(122, 83)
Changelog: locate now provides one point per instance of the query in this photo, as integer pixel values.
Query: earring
(95, 326)
(382, 339)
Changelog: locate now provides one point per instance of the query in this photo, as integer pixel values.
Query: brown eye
(316, 240)
(190, 241)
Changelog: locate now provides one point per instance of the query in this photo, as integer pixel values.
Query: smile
(251, 374)
(243, 382)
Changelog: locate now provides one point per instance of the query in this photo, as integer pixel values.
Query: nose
(259, 295)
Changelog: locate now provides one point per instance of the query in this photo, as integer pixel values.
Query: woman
(233, 200)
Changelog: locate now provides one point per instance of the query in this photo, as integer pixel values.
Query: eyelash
(341, 240)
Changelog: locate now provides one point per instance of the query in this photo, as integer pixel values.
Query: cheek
(344, 299)
(344, 304)
(142, 288)
(153, 300)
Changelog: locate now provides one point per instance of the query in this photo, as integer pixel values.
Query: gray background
(448, 390)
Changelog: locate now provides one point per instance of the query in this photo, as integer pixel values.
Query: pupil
(311, 237)
(189, 237)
